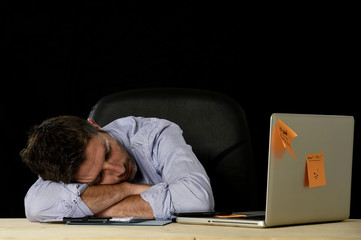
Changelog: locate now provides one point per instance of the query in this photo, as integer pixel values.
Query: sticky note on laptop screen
(315, 168)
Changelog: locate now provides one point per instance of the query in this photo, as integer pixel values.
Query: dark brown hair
(56, 148)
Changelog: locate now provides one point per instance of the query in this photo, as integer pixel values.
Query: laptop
(309, 174)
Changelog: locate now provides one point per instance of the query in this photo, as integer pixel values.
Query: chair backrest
(212, 123)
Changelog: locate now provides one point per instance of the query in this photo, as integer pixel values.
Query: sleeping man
(133, 166)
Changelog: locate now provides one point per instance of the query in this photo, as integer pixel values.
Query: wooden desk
(23, 229)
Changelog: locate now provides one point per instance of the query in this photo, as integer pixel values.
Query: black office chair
(213, 124)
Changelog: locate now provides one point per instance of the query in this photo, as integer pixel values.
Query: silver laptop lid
(306, 191)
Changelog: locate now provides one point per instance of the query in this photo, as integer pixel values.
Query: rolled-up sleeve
(50, 200)
(185, 185)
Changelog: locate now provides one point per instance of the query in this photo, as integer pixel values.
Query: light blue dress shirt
(164, 160)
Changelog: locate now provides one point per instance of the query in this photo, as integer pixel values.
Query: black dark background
(61, 58)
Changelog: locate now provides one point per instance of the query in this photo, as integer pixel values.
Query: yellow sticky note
(315, 168)
(282, 136)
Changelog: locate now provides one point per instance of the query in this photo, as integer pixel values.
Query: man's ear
(92, 122)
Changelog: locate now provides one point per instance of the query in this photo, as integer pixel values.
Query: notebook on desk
(92, 220)
(309, 174)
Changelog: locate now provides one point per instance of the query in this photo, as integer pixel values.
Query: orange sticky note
(282, 136)
(315, 168)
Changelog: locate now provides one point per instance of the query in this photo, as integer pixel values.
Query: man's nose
(115, 169)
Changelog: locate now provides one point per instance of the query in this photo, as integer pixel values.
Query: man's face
(106, 162)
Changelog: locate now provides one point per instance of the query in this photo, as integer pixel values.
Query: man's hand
(132, 206)
(101, 197)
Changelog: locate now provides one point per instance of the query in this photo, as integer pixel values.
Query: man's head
(71, 149)
(56, 147)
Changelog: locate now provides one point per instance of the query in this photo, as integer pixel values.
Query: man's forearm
(132, 206)
(101, 197)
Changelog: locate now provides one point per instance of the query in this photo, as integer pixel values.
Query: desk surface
(21, 228)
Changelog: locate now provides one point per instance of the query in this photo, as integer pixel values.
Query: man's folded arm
(131, 206)
(102, 198)
(50, 200)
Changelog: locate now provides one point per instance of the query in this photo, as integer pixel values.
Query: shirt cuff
(159, 199)
(81, 209)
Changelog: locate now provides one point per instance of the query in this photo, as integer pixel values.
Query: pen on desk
(230, 216)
